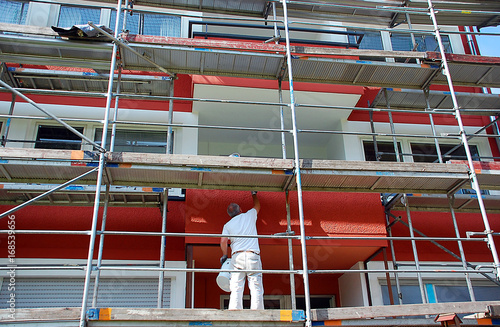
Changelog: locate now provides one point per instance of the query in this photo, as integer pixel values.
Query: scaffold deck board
(439, 101)
(167, 317)
(180, 317)
(251, 60)
(401, 310)
(231, 173)
(440, 202)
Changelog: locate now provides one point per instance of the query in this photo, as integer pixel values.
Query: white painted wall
(178, 285)
(185, 140)
(352, 288)
(355, 147)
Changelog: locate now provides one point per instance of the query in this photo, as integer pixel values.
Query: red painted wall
(80, 218)
(440, 224)
(326, 213)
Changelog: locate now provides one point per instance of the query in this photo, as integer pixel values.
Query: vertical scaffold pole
(170, 146)
(162, 248)
(414, 247)
(290, 253)
(433, 127)
(393, 129)
(101, 247)
(461, 248)
(393, 255)
(458, 116)
(102, 157)
(7, 124)
(282, 119)
(305, 272)
(117, 99)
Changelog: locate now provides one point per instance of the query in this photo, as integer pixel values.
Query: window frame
(129, 128)
(76, 126)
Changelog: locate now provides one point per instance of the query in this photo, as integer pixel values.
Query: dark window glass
(69, 16)
(385, 151)
(317, 302)
(268, 303)
(410, 294)
(57, 137)
(402, 42)
(149, 24)
(426, 152)
(136, 141)
(13, 12)
(370, 40)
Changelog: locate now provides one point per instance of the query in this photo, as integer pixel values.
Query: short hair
(233, 210)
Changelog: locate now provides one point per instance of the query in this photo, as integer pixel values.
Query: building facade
(362, 155)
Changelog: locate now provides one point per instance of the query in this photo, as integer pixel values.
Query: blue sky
(489, 45)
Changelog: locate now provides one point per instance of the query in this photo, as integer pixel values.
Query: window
(150, 24)
(402, 42)
(385, 151)
(371, 40)
(426, 152)
(57, 137)
(442, 293)
(13, 12)
(69, 16)
(136, 141)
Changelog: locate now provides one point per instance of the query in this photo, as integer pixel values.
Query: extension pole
(101, 167)
(458, 116)
(305, 269)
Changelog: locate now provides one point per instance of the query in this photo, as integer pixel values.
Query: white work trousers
(246, 261)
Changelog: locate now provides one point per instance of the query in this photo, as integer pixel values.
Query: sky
(489, 45)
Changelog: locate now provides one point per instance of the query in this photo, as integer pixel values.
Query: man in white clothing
(245, 255)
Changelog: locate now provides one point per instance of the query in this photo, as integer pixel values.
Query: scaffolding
(404, 81)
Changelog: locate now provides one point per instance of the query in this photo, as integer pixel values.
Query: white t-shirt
(243, 224)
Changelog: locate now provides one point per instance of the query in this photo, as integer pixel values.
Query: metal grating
(415, 99)
(439, 202)
(28, 50)
(362, 72)
(469, 74)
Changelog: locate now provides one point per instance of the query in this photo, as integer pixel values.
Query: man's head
(233, 210)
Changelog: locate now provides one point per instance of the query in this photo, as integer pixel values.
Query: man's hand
(223, 259)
